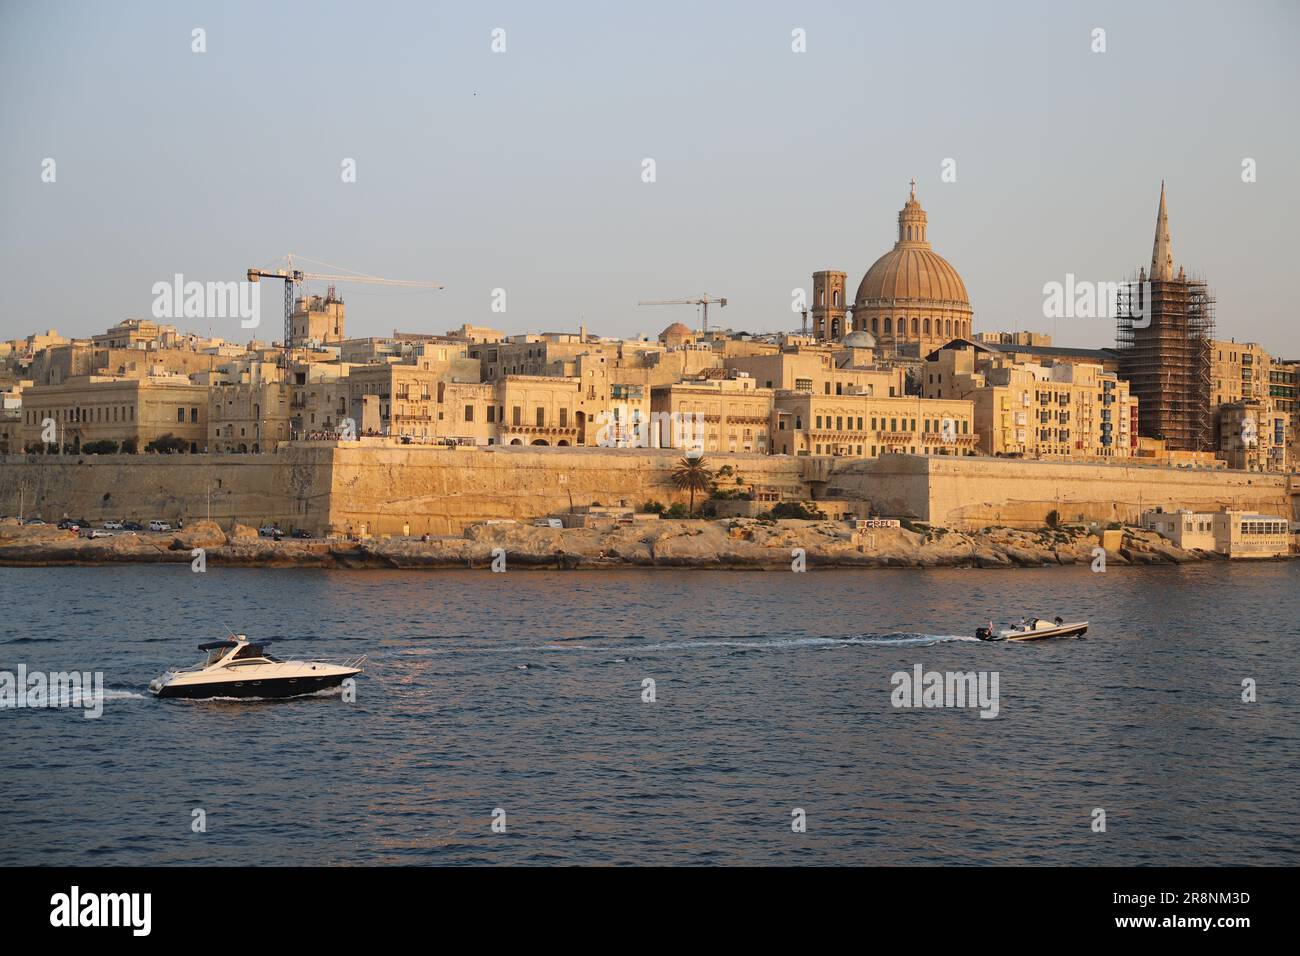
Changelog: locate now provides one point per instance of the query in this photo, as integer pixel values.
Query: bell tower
(828, 307)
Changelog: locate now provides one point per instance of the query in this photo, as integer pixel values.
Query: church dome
(912, 296)
(676, 329)
(909, 276)
(912, 274)
(861, 339)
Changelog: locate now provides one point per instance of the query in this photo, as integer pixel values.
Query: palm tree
(692, 475)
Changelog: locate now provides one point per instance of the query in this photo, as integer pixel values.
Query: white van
(156, 525)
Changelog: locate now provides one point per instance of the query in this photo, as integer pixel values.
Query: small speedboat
(242, 668)
(1033, 629)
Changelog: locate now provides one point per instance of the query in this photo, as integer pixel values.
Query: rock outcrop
(742, 543)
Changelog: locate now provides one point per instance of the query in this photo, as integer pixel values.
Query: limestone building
(1031, 410)
(249, 409)
(824, 370)
(317, 320)
(723, 412)
(863, 425)
(129, 412)
(1253, 436)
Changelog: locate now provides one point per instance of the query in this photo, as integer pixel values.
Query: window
(541, 416)
(194, 413)
(517, 415)
(469, 413)
(564, 418)
(491, 414)
(180, 414)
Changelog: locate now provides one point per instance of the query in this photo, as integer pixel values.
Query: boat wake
(608, 644)
(793, 643)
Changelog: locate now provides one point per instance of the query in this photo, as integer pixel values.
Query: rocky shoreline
(737, 543)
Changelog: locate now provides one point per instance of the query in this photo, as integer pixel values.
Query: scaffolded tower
(1165, 324)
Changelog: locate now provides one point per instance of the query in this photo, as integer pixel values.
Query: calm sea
(523, 693)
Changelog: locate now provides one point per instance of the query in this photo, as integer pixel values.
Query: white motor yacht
(1033, 629)
(239, 667)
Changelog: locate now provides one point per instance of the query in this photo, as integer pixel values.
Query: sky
(524, 171)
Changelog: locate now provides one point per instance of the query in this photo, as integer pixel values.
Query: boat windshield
(251, 652)
(215, 655)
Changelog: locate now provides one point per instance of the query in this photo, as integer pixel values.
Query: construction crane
(292, 276)
(704, 300)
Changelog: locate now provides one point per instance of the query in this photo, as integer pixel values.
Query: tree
(166, 444)
(797, 509)
(692, 475)
(103, 447)
(1053, 519)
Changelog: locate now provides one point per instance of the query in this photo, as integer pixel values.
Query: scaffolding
(1163, 335)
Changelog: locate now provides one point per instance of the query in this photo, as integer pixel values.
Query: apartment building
(1028, 410)
(1253, 436)
(714, 414)
(817, 370)
(867, 426)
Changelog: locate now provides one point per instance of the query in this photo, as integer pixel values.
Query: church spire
(1162, 253)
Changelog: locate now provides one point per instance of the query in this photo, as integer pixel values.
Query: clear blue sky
(522, 170)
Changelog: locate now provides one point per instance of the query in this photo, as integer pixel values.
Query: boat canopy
(216, 644)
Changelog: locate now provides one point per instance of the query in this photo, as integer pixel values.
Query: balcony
(958, 441)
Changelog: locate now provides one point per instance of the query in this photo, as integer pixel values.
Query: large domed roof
(912, 272)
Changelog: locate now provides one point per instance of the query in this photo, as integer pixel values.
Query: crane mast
(704, 301)
(291, 277)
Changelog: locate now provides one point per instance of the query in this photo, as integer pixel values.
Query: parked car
(67, 524)
(132, 526)
(300, 533)
(156, 525)
(33, 521)
(93, 533)
(270, 531)
(113, 526)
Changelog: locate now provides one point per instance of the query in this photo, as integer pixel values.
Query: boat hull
(1066, 630)
(269, 688)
